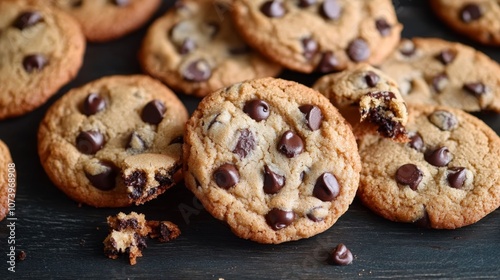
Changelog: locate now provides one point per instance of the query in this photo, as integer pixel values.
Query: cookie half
(322, 35)
(195, 49)
(113, 142)
(436, 72)
(446, 177)
(41, 50)
(8, 183)
(272, 158)
(105, 20)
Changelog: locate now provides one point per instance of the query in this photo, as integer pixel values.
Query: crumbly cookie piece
(114, 142)
(381, 106)
(105, 20)
(8, 183)
(437, 72)
(195, 49)
(319, 35)
(476, 19)
(41, 49)
(446, 177)
(164, 231)
(272, 158)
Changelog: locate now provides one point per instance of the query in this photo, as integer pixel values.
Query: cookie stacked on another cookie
(272, 158)
(41, 49)
(195, 49)
(8, 183)
(114, 142)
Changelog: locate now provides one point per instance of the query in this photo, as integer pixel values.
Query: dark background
(62, 240)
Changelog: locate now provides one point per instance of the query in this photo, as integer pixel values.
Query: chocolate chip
(340, 255)
(386, 96)
(278, 219)
(34, 62)
(409, 175)
(273, 9)
(226, 176)
(386, 126)
(470, 12)
(246, 143)
(447, 56)
(306, 3)
(407, 47)
(257, 109)
(330, 9)
(89, 142)
(440, 82)
(313, 115)
(93, 104)
(272, 181)
(106, 180)
(187, 46)
(416, 142)
(76, 3)
(328, 62)
(477, 89)
(371, 79)
(327, 187)
(358, 50)
(290, 144)
(136, 183)
(153, 112)
(27, 19)
(444, 120)
(439, 157)
(311, 215)
(177, 140)
(456, 177)
(197, 71)
(310, 47)
(120, 3)
(136, 143)
(383, 27)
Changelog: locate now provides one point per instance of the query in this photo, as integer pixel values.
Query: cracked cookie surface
(272, 158)
(113, 142)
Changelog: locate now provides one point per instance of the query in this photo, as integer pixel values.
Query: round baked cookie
(476, 19)
(41, 49)
(105, 20)
(319, 35)
(272, 158)
(437, 72)
(195, 49)
(7, 180)
(113, 142)
(446, 177)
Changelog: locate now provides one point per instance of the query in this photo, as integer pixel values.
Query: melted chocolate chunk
(273, 9)
(409, 175)
(27, 19)
(477, 89)
(93, 104)
(153, 112)
(89, 142)
(444, 120)
(330, 9)
(187, 46)
(386, 96)
(439, 157)
(226, 176)
(416, 142)
(371, 79)
(358, 50)
(310, 47)
(34, 62)
(310, 215)
(306, 3)
(340, 255)
(447, 56)
(386, 126)
(328, 62)
(407, 47)
(440, 82)
(137, 181)
(290, 144)
(327, 187)
(278, 219)
(456, 177)
(128, 223)
(470, 12)
(246, 143)
(383, 27)
(197, 71)
(313, 115)
(272, 181)
(257, 109)
(136, 143)
(106, 180)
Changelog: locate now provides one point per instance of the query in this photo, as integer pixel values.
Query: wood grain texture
(63, 240)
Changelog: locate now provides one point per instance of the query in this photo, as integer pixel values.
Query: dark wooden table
(62, 240)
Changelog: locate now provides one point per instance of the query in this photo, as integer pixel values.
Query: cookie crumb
(340, 255)
(21, 256)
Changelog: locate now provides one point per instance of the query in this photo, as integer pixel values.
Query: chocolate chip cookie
(195, 49)
(7, 180)
(319, 35)
(105, 20)
(476, 19)
(446, 177)
(437, 72)
(376, 96)
(272, 158)
(114, 142)
(41, 49)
